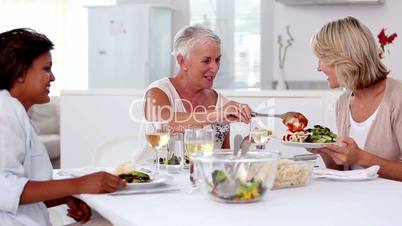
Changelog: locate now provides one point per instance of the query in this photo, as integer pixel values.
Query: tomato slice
(297, 123)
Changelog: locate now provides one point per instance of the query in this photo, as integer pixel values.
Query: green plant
(284, 48)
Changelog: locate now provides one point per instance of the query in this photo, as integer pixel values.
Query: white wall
(305, 21)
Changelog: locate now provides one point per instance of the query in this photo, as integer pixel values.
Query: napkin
(360, 174)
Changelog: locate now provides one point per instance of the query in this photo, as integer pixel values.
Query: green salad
(320, 134)
(235, 190)
(173, 160)
(135, 177)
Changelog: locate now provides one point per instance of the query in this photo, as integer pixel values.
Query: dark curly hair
(18, 49)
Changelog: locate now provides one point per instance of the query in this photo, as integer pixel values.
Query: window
(238, 25)
(64, 23)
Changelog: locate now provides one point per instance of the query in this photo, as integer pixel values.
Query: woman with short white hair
(369, 113)
(187, 99)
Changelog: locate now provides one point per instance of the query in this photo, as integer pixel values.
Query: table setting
(248, 184)
(177, 203)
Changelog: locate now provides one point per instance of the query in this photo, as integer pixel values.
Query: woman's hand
(317, 151)
(349, 153)
(234, 112)
(100, 182)
(78, 210)
(329, 161)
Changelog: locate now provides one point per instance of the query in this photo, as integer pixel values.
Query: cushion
(46, 116)
(52, 144)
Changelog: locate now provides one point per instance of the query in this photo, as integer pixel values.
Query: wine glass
(157, 135)
(259, 133)
(198, 140)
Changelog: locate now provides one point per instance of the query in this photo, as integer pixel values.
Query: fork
(282, 116)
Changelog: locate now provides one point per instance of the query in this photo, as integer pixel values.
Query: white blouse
(22, 157)
(359, 131)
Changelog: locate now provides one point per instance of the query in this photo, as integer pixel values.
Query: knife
(144, 191)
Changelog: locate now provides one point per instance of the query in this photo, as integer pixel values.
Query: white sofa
(47, 118)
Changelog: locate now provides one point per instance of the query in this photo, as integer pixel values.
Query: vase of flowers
(283, 48)
(281, 84)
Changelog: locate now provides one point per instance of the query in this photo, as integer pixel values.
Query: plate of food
(316, 137)
(140, 180)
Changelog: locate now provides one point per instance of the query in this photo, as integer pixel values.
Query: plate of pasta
(316, 137)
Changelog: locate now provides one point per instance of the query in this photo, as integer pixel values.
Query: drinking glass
(198, 140)
(157, 135)
(175, 153)
(259, 133)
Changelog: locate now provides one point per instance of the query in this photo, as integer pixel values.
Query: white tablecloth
(322, 203)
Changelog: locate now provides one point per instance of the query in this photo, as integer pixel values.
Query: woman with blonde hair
(369, 113)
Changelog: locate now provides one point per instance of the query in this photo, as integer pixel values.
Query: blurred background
(126, 44)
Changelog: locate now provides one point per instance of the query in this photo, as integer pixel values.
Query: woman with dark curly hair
(26, 184)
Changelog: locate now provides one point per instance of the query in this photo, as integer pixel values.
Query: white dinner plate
(305, 145)
(156, 180)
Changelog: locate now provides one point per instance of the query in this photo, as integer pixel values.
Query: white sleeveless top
(359, 131)
(164, 84)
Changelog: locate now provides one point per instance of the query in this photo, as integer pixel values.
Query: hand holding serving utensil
(295, 121)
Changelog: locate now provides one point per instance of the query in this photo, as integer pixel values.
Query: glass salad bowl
(236, 179)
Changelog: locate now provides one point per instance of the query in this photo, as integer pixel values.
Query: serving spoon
(228, 188)
(282, 116)
(286, 117)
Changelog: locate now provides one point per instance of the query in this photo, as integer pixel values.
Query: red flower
(392, 37)
(384, 40)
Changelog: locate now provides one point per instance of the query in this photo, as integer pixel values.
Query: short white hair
(188, 36)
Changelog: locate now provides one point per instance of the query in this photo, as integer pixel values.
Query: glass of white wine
(259, 133)
(198, 140)
(157, 135)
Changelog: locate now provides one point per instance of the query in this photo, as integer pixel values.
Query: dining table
(322, 202)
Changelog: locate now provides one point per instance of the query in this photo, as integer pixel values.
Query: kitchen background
(124, 44)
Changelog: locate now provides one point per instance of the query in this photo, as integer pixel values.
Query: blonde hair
(349, 45)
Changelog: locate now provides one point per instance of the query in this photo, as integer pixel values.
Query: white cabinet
(91, 119)
(129, 45)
